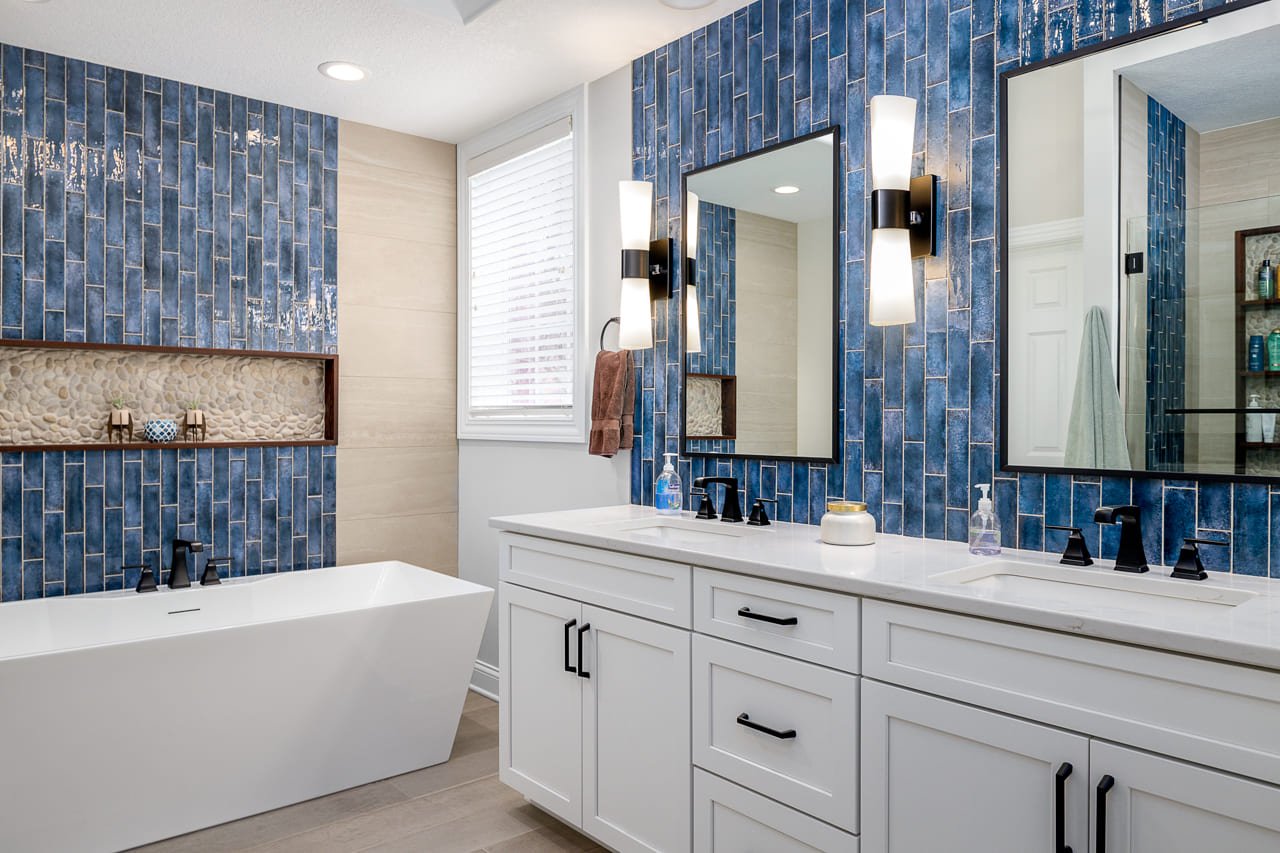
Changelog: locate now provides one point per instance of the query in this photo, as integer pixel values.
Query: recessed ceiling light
(786, 189)
(687, 4)
(347, 72)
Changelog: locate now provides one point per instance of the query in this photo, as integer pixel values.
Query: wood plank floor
(456, 806)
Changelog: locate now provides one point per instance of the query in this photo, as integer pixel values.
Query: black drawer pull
(744, 720)
(1105, 784)
(582, 664)
(1059, 808)
(568, 626)
(745, 613)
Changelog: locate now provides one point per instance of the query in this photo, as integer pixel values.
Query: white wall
(503, 478)
(813, 318)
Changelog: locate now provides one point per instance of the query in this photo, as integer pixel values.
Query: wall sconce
(692, 318)
(902, 212)
(646, 273)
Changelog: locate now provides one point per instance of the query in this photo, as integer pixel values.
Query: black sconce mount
(911, 209)
(653, 264)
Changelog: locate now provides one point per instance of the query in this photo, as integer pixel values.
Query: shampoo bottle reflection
(1253, 420)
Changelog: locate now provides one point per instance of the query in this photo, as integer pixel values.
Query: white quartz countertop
(924, 572)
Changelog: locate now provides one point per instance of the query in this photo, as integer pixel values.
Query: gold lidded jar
(848, 523)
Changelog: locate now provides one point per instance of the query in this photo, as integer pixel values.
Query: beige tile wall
(397, 298)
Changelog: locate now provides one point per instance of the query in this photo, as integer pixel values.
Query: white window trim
(571, 104)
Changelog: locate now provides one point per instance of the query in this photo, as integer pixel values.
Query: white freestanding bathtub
(126, 718)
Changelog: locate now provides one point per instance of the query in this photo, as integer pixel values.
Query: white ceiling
(431, 73)
(748, 184)
(1222, 84)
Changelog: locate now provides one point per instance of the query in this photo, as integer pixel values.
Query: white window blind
(522, 279)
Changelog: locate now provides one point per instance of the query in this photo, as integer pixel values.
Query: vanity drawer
(823, 626)
(731, 819)
(1217, 714)
(806, 756)
(652, 589)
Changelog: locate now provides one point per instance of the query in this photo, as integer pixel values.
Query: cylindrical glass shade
(893, 133)
(892, 301)
(635, 203)
(691, 226)
(635, 324)
(692, 320)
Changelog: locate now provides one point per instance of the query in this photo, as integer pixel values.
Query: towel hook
(605, 328)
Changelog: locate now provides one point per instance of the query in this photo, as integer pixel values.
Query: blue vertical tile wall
(146, 211)
(1166, 287)
(717, 263)
(917, 404)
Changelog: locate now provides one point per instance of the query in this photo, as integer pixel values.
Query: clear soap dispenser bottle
(984, 526)
(667, 494)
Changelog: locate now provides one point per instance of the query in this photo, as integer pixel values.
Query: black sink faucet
(732, 509)
(179, 576)
(1132, 556)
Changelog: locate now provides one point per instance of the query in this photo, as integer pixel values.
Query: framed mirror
(761, 319)
(1140, 236)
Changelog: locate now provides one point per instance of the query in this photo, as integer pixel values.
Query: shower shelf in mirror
(56, 395)
(1253, 314)
(1260, 304)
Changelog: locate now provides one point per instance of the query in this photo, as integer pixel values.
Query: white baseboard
(484, 680)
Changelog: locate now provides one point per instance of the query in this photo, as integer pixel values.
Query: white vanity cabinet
(594, 710)
(1158, 805)
(721, 712)
(938, 775)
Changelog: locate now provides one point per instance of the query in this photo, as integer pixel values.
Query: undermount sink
(1076, 588)
(681, 531)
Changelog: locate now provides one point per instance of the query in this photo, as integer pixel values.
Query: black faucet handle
(210, 574)
(1189, 567)
(147, 580)
(1077, 551)
(759, 517)
(706, 509)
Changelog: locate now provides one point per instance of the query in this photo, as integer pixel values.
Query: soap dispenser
(984, 526)
(667, 493)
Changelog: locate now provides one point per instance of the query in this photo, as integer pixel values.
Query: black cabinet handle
(1105, 784)
(745, 613)
(744, 720)
(568, 626)
(1060, 807)
(582, 664)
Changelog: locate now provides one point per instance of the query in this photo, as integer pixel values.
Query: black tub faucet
(179, 575)
(1132, 556)
(732, 510)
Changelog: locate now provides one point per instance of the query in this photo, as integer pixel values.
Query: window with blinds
(522, 300)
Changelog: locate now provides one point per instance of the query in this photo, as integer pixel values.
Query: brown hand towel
(612, 403)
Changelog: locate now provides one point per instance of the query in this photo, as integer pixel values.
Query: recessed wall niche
(59, 395)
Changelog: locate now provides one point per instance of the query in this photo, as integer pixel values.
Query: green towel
(1095, 433)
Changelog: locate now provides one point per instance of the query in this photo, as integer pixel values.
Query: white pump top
(667, 466)
(984, 502)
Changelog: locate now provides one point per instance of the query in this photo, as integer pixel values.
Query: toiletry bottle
(1266, 280)
(1273, 350)
(984, 526)
(1252, 421)
(1268, 427)
(1257, 354)
(667, 494)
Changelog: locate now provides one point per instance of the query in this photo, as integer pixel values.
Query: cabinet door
(937, 775)
(635, 735)
(540, 713)
(1158, 805)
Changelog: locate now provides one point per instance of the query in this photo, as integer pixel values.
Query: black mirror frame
(1002, 200)
(837, 282)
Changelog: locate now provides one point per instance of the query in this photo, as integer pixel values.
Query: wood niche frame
(330, 361)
